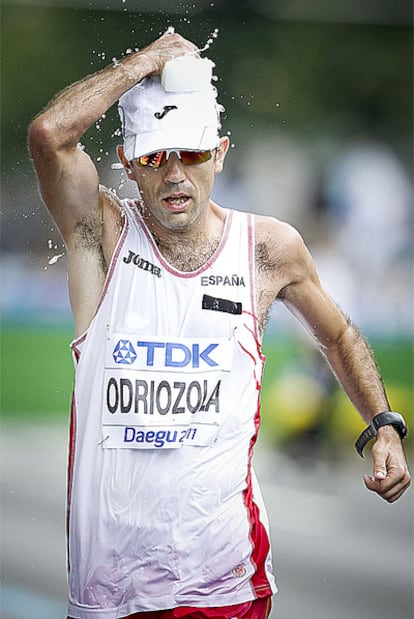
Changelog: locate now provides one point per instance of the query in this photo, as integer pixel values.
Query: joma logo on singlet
(141, 263)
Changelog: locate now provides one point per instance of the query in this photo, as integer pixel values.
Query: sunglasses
(188, 157)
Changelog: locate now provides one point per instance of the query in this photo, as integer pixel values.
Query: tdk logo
(124, 353)
(167, 354)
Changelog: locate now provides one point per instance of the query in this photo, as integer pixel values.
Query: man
(170, 295)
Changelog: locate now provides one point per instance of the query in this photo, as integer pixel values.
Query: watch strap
(382, 419)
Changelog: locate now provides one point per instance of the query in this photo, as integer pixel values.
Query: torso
(176, 378)
(94, 248)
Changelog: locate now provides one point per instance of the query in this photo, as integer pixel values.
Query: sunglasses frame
(163, 156)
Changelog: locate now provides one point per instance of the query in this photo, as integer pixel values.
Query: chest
(196, 290)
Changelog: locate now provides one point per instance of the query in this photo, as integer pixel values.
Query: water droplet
(55, 259)
(210, 40)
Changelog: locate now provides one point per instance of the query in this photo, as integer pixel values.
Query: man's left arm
(353, 363)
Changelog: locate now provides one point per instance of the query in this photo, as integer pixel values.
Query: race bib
(163, 394)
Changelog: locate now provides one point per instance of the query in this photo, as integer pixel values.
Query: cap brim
(188, 139)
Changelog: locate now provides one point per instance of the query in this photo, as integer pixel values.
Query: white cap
(155, 119)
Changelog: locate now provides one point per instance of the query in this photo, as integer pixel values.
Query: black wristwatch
(382, 419)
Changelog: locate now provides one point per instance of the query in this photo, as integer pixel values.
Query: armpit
(88, 232)
(88, 238)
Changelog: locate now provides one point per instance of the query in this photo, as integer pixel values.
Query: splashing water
(210, 40)
(55, 258)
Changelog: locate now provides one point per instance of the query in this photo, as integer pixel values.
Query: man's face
(175, 196)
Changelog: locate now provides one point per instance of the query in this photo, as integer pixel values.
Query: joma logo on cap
(166, 109)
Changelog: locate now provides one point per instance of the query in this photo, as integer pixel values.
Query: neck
(188, 249)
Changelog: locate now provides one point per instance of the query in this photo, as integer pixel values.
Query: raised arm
(85, 213)
(68, 178)
(349, 356)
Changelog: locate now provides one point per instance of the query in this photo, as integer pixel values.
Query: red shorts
(257, 609)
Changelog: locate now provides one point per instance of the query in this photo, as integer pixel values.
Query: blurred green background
(301, 406)
(316, 95)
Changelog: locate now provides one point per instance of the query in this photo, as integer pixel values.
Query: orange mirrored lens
(153, 160)
(188, 157)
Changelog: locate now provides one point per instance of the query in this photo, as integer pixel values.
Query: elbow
(345, 331)
(40, 138)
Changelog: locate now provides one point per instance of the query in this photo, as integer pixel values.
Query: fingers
(391, 488)
(176, 45)
(168, 46)
(391, 477)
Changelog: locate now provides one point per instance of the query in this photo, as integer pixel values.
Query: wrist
(140, 64)
(383, 423)
(387, 430)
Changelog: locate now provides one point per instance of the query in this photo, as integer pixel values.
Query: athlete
(170, 295)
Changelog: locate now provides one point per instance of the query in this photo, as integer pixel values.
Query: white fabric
(154, 119)
(187, 74)
(155, 525)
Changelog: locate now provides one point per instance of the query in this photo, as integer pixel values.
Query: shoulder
(111, 202)
(113, 215)
(274, 229)
(277, 243)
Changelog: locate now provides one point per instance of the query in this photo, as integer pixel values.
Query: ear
(124, 161)
(221, 153)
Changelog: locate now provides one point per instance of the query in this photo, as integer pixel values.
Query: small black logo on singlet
(221, 305)
(166, 109)
(141, 263)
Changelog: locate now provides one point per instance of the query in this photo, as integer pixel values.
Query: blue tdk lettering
(178, 355)
(150, 346)
(204, 355)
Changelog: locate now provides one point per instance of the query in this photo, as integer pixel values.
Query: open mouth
(177, 202)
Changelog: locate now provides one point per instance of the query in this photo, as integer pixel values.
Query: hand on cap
(168, 46)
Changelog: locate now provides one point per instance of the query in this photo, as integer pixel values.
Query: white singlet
(163, 506)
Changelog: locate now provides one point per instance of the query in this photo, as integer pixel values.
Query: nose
(173, 169)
